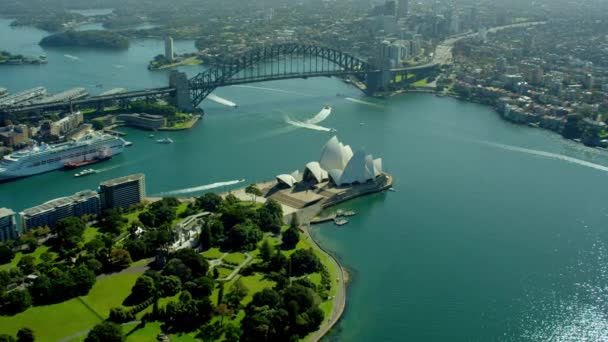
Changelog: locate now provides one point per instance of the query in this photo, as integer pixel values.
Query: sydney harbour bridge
(267, 63)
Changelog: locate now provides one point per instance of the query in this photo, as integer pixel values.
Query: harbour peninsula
(235, 250)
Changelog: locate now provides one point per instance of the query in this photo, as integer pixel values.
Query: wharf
(118, 133)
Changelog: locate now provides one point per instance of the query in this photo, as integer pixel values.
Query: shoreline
(339, 304)
(306, 215)
(493, 107)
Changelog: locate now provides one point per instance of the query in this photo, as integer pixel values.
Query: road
(443, 52)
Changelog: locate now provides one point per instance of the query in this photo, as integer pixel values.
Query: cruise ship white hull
(58, 160)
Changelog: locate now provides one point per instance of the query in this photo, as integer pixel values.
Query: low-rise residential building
(47, 214)
(12, 136)
(123, 192)
(8, 226)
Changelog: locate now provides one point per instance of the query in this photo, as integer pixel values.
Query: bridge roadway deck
(89, 100)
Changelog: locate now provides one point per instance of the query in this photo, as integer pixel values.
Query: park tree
(119, 260)
(144, 289)
(266, 251)
(25, 335)
(231, 200)
(120, 315)
(105, 332)
(6, 253)
(244, 236)
(200, 288)
(138, 249)
(197, 263)
(209, 202)
(270, 217)
(27, 264)
(177, 268)
(205, 238)
(112, 221)
(254, 191)
(5, 279)
(305, 261)
(82, 280)
(15, 301)
(169, 285)
(238, 292)
(6, 338)
(69, 232)
(290, 238)
(216, 227)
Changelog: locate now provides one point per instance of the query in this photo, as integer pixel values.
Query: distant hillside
(92, 38)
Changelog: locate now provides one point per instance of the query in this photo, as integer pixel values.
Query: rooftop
(125, 179)
(6, 212)
(59, 202)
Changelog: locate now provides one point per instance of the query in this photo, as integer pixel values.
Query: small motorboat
(165, 141)
(151, 136)
(85, 173)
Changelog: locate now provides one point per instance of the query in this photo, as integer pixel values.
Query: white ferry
(46, 158)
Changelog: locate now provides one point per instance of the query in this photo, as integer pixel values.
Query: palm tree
(254, 191)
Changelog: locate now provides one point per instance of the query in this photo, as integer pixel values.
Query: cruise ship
(46, 158)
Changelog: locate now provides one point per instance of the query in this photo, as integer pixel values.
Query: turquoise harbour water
(496, 232)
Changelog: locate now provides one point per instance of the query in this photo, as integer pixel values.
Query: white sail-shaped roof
(356, 171)
(335, 155)
(287, 180)
(378, 167)
(314, 170)
(335, 175)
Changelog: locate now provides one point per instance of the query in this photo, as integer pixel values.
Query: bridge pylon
(378, 81)
(181, 98)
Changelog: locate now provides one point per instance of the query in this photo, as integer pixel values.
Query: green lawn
(54, 322)
(224, 272)
(255, 283)
(151, 330)
(236, 258)
(421, 83)
(133, 216)
(90, 233)
(109, 292)
(213, 253)
(36, 254)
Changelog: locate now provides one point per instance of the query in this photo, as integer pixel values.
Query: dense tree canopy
(281, 316)
(305, 261)
(6, 254)
(105, 332)
(209, 202)
(69, 232)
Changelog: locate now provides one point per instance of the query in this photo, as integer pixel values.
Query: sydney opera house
(337, 165)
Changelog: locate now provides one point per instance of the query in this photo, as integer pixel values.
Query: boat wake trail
(313, 122)
(108, 168)
(548, 155)
(307, 125)
(74, 58)
(202, 188)
(363, 102)
(320, 117)
(221, 100)
(273, 89)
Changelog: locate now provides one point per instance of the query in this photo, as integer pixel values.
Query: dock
(338, 218)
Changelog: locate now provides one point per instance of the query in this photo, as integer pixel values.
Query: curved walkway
(339, 299)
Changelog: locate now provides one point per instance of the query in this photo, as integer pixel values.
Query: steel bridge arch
(224, 74)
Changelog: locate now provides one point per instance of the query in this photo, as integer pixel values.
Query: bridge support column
(181, 99)
(379, 80)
